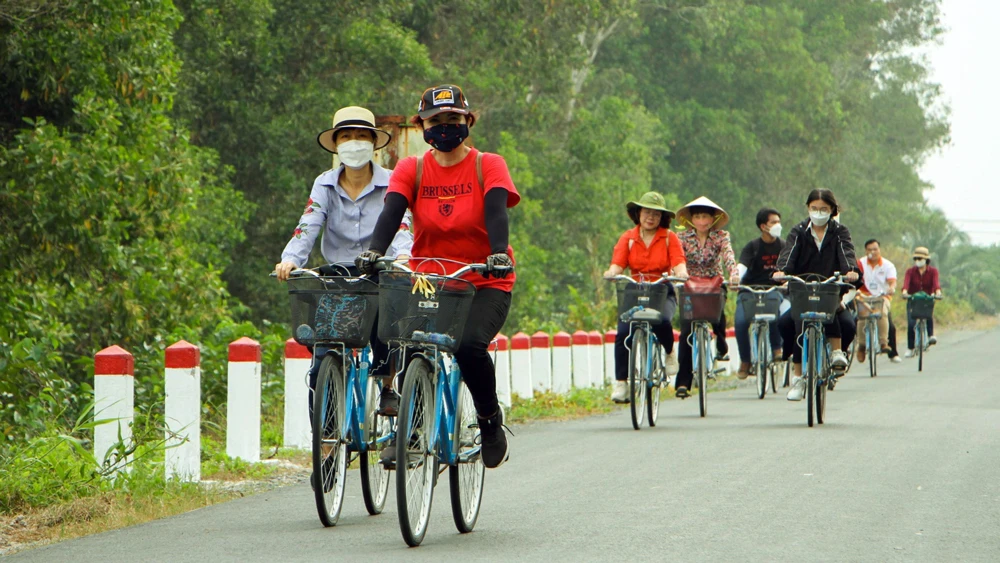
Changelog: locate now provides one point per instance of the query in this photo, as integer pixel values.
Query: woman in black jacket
(819, 245)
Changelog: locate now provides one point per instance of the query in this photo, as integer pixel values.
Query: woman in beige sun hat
(647, 251)
(709, 253)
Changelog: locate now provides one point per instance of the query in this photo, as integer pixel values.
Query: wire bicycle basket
(754, 304)
(921, 306)
(333, 309)
(649, 296)
(814, 297)
(414, 302)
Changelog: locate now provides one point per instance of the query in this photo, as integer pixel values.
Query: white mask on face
(819, 218)
(920, 263)
(355, 154)
(775, 230)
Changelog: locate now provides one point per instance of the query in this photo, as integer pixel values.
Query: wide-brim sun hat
(684, 213)
(650, 200)
(352, 117)
(921, 252)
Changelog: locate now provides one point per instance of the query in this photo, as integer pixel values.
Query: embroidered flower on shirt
(311, 206)
(302, 229)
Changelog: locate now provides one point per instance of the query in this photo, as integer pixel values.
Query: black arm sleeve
(388, 222)
(495, 211)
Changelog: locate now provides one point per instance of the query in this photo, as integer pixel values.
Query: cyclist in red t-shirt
(456, 217)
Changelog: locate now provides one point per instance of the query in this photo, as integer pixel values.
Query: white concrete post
(609, 354)
(596, 346)
(520, 366)
(502, 363)
(541, 361)
(298, 428)
(562, 363)
(114, 400)
(182, 412)
(243, 401)
(581, 360)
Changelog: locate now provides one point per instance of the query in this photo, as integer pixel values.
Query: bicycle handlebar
(622, 277)
(383, 264)
(932, 296)
(835, 278)
(757, 288)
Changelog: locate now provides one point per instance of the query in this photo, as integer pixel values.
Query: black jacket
(800, 255)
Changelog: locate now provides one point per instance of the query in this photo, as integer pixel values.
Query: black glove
(366, 261)
(499, 265)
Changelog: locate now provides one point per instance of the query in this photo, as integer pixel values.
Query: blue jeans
(742, 327)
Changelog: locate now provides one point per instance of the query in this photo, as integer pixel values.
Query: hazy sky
(965, 173)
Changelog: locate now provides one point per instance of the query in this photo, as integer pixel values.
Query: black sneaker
(388, 402)
(682, 392)
(388, 456)
(724, 357)
(494, 441)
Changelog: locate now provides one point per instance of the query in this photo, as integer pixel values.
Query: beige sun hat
(684, 213)
(921, 252)
(650, 200)
(352, 117)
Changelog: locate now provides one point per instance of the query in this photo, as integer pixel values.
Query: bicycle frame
(442, 441)
(756, 328)
(356, 363)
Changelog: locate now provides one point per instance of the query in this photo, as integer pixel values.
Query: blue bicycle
(426, 315)
(815, 303)
(762, 309)
(641, 303)
(336, 313)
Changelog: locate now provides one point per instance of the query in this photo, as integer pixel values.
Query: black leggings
(486, 317)
(843, 328)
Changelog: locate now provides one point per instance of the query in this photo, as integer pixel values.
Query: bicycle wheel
(416, 465)
(704, 366)
(871, 340)
(329, 447)
(763, 359)
(655, 383)
(374, 476)
(786, 373)
(850, 354)
(466, 476)
(809, 364)
(921, 338)
(637, 377)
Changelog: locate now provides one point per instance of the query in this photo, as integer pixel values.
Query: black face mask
(446, 137)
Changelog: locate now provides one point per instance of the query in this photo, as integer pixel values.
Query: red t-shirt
(448, 213)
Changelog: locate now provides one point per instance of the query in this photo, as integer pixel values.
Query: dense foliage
(154, 155)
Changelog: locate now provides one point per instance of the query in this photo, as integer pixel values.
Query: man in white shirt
(879, 277)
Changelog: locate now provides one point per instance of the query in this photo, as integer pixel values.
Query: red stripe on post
(503, 343)
(182, 355)
(114, 360)
(594, 337)
(540, 340)
(561, 339)
(580, 338)
(677, 335)
(520, 341)
(244, 350)
(609, 336)
(730, 333)
(294, 350)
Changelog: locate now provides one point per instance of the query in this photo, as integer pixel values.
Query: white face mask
(355, 154)
(819, 218)
(775, 230)
(920, 263)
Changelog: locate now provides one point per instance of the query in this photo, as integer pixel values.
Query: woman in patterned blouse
(709, 253)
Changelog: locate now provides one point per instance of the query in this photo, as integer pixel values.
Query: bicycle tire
(329, 467)
(415, 485)
(921, 338)
(871, 339)
(655, 384)
(809, 364)
(704, 343)
(465, 479)
(637, 377)
(763, 343)
(374, 475)
(786, 373)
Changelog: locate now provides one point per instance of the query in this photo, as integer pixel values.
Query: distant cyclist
(819, 245)
(920, 277)
(650, 249)
(343, 206)
(709, 253)
(459, 198)
(879, 275)
(758, 262)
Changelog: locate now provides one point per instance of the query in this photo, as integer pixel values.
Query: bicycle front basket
(921, 307)
(754, 304)
(814, 298)
(649, 296)
(439, 305)
(333, 309)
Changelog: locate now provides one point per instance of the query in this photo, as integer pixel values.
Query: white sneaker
(620, 392)
(909, 354)
(798, 389)
(838, 360)
(931, 340)
(670, 364)
(896, 359)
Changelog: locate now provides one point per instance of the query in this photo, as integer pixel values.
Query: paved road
(906, 469)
